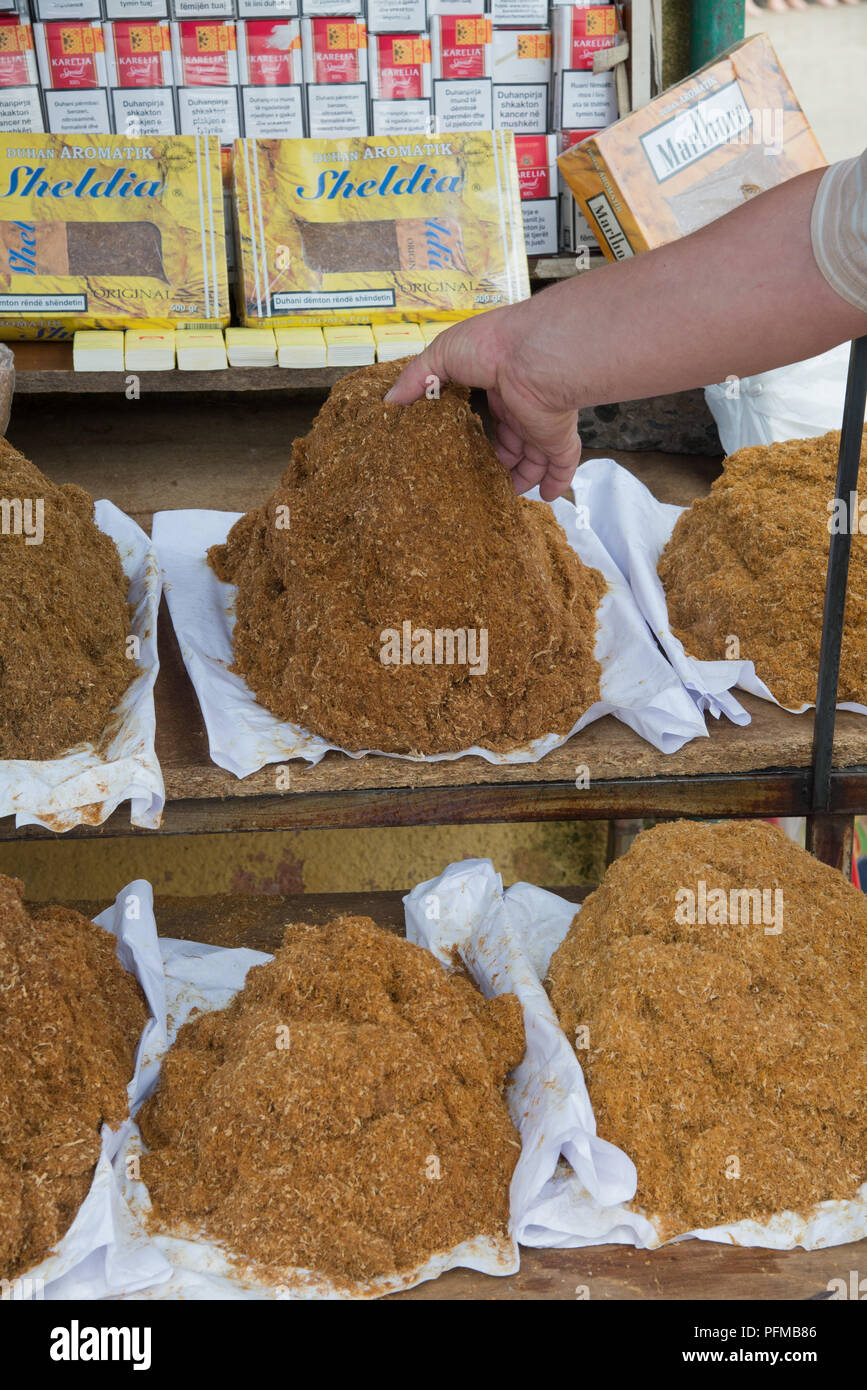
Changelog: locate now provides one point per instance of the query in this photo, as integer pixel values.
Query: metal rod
(838, 573)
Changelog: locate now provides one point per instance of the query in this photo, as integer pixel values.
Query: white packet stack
(635, 530)
(105, 1253)
(638, 686)
(507, 940)
(84, 787)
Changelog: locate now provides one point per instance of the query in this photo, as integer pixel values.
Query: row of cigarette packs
(315, 76)
(381, 16)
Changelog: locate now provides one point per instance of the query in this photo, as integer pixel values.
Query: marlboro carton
(725, 133)
(270, 67)
(138, 56)
(583, 99)
(335, 72)
(522, 74)
(74, 77)
(20, 107)
(536, 157)
(206, 73)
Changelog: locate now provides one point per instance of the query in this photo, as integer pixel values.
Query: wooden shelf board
(695, 1270)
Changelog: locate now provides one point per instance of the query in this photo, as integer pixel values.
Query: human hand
(507, 353)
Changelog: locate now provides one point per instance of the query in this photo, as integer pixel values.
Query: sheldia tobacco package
(376, 231)
(110, 232)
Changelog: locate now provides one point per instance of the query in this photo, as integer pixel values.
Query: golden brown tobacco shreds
(64, 621)
(70, 1021)
(404, 514)
(303, 1127)
(708, 1042)
(749, 561)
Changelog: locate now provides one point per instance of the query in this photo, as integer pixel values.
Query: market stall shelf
(143, 460)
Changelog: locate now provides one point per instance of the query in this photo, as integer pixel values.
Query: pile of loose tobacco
(721, 975)
(70, 1021)
(748, 562)
(64, 617)
(394, 593)
(343, 1115)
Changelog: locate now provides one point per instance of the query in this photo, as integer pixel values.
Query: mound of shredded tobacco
(748, 562)
(343, 1115)
(64, 617)
(70, 1021)
(391, 525)
(726, 1056)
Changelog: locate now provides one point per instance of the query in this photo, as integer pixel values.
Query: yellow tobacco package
(731, 130)
(110, 231)
(376, 231)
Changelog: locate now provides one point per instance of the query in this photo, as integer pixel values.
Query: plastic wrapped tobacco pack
(344, 1115)
(70, 1020)
(395, 594)
(715, 987)
(748, 563)
(64, 617)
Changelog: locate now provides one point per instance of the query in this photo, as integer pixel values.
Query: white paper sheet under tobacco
(635, 529)
(84, 786)
(506, 940)
(105, 1253)
(207, 977)
(638, 685)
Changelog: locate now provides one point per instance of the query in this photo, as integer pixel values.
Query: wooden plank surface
(690, 1270)
(227, 453)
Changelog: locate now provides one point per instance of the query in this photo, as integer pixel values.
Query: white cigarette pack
(335, 75)
(522, 76)
(271, 72)
(138, 57)
(536, 157)
(206, 72)
(583, 99)
(396, 16)
(74, 78)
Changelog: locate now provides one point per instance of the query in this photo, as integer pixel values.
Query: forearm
(739, 296)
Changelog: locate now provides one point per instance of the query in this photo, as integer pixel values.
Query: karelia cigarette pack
(377, 231)
(138, 56)
(111, 232)
(731, 130)
(20, 107)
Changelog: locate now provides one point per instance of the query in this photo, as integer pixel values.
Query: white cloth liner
(205, 977)
(637, 686)
(104, 1252)
(635, 529)
(507, 940)
(84, 787)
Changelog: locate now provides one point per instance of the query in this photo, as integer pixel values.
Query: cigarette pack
(533, 13)
(138, 56)
(522, 75)
(695, 152)
(267, 9)
(149, 349)
(325, 8)
(48, 10)
(72, 70)
(20, 106)
(536, 157)
(401, 116)
(270, 66)
(300, 347)
(206, 73)
(462, 63)
(136, 9)
(454, 7)
(583, 99)
(396, 16)
(335, 73)
(400, 66)
(202, 9)
(110, 233)
(357, 231)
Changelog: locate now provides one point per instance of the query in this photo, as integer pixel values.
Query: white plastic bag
(796, 402)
